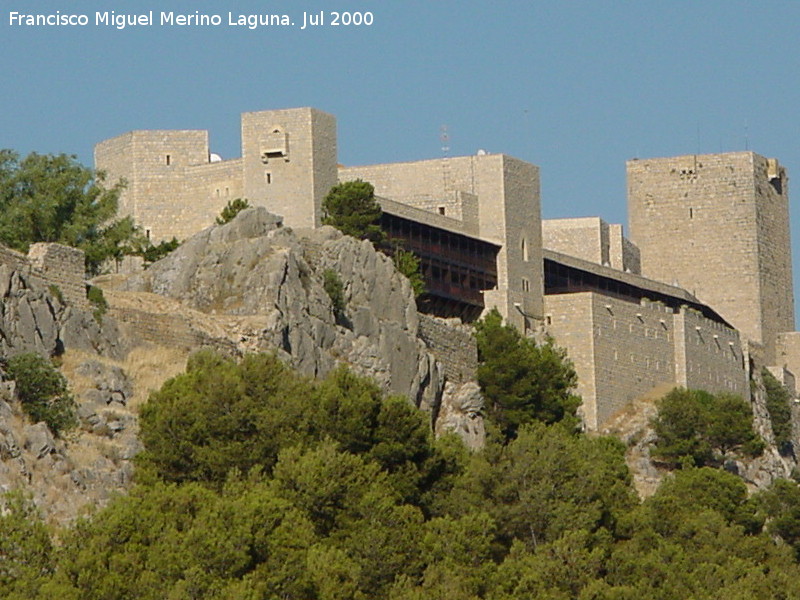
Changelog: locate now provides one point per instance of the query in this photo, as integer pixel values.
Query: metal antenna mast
(444, 136)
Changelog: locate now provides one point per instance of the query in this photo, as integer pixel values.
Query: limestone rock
(460, 413)
(39, 440)
(273, 278)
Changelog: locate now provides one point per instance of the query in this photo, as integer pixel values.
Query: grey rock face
(34, 320)
(252, 267)
(460, 413)
(39, 440)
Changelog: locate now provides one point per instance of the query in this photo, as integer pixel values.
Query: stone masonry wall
(507, 190)
(299, 147)
(713, 356)
(622, 350)
(453, 345)
(52, 265)
(717, 225)
(585, 238)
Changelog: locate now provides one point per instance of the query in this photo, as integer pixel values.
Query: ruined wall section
(49, 264)
(63, 267)
(289, 162)
(717, 225)
(453, 345)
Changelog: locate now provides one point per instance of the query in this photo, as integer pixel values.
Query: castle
(700, 294)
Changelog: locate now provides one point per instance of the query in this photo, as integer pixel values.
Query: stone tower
(290, 162)
(718, 226)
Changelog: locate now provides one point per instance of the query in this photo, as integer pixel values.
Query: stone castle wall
(507, 190)
(724, 215)
(52, 265)
(169, 330)
(591, 239)
(622, 350)
(453, 346)
(712, 357)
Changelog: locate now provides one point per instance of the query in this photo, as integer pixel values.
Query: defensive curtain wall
(51, 265)
(626, 335)
(717, 225)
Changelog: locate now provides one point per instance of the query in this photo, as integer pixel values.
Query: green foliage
(98, 301)
(43, 391)
(544, 483)
(356, 501)
(781, 505)
(152, 253)
(55, 292)
(407, 263)
(780, 411)
(25, 548)
(700, 428)
(351, 208)
(334, 287)
(53, 198)
(521, 381)
(221, 415)
(233, 208)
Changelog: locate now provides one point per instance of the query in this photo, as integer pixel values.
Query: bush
(233, 208)
(95, 295)
(699, 428)
(780, 412)
(43, 392)
(335, 289)
(351, 208)
(407, 263)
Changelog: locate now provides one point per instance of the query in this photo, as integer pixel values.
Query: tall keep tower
(290, 162)
(718, 226)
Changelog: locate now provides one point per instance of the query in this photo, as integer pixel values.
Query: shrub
(233, 208)
(335, 289)
(351, 208)
(699, 428)
(95, 295)
(407, 263)
(522, 382)
(43, 391)
(780, 412)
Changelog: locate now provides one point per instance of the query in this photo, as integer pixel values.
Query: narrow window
(269, 178)
(147, 233)
(691, 213)
(169, 159)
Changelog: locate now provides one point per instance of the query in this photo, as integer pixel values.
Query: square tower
(717, 225)
(289, 161)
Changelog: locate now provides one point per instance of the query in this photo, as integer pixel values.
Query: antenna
(444, 136)
(746, 136)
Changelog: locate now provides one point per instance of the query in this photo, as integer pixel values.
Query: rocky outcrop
(34, 318)
(271, 280)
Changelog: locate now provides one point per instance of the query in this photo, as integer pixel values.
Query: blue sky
(577, 88)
